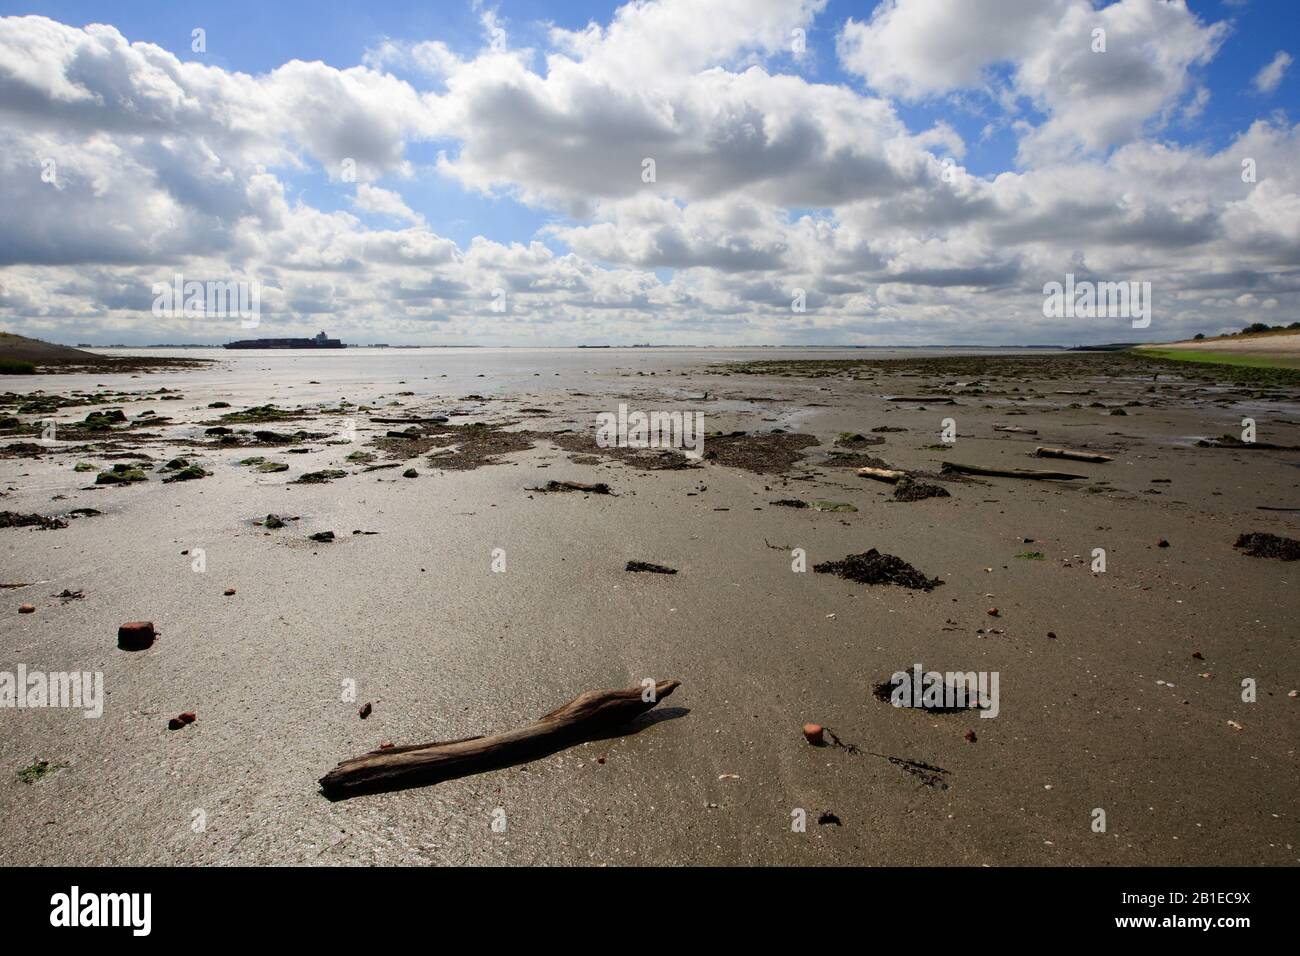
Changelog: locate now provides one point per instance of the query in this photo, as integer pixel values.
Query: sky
(695, 172)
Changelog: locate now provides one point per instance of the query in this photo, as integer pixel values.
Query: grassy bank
(1247, 359)
(1238, 367)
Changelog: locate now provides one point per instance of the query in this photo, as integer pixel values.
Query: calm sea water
(325, 375)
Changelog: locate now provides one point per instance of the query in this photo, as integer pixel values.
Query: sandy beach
(1285, 346)
(461, 602)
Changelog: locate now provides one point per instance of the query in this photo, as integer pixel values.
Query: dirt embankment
(22, 355)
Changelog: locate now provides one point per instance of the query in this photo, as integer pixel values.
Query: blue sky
(256, 37)
(877, 265)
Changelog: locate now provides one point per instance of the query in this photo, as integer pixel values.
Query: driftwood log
(927, 399)
(891, 475)
(586, 716)
(1044, 452)
(950, 467)
(1015, 428)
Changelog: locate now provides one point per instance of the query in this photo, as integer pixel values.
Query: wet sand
(1114, 712)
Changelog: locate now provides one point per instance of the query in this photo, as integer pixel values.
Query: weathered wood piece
(586, 716)
(890, 475)
(1044, 452)
(952, 467)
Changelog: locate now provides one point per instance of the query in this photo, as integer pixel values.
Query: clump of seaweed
(1261, 544)
(12, 519)
(909, 489)
(873, 567)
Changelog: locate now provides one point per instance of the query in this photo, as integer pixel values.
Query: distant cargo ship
(319, 342)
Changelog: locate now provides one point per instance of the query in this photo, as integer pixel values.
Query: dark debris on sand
(458, 447)
(872, 567)
(12, 519)
(763, 454)
(857, 440)
(597, 488)
(1260, 544)
(651, 568)
(583, 444)
(909, 489)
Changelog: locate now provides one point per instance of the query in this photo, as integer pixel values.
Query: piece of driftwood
(951, 467)
(1015, 428)
(586, 716)
(890, 475)
(1044, 452)
(929, 399)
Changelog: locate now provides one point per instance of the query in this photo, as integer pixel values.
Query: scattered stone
(828, 818)
(410, 473)
(813, 734)
(121, 474)
(228, 592)
(970, 737)
(791, 503)
(323, 536)
(273, 522)
(136, 635)
(833, 506)
(993, 612)
(365, 710)
(187, 473)
(183, 720)
(271, 467)
(27, 609)
(1162, 543)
